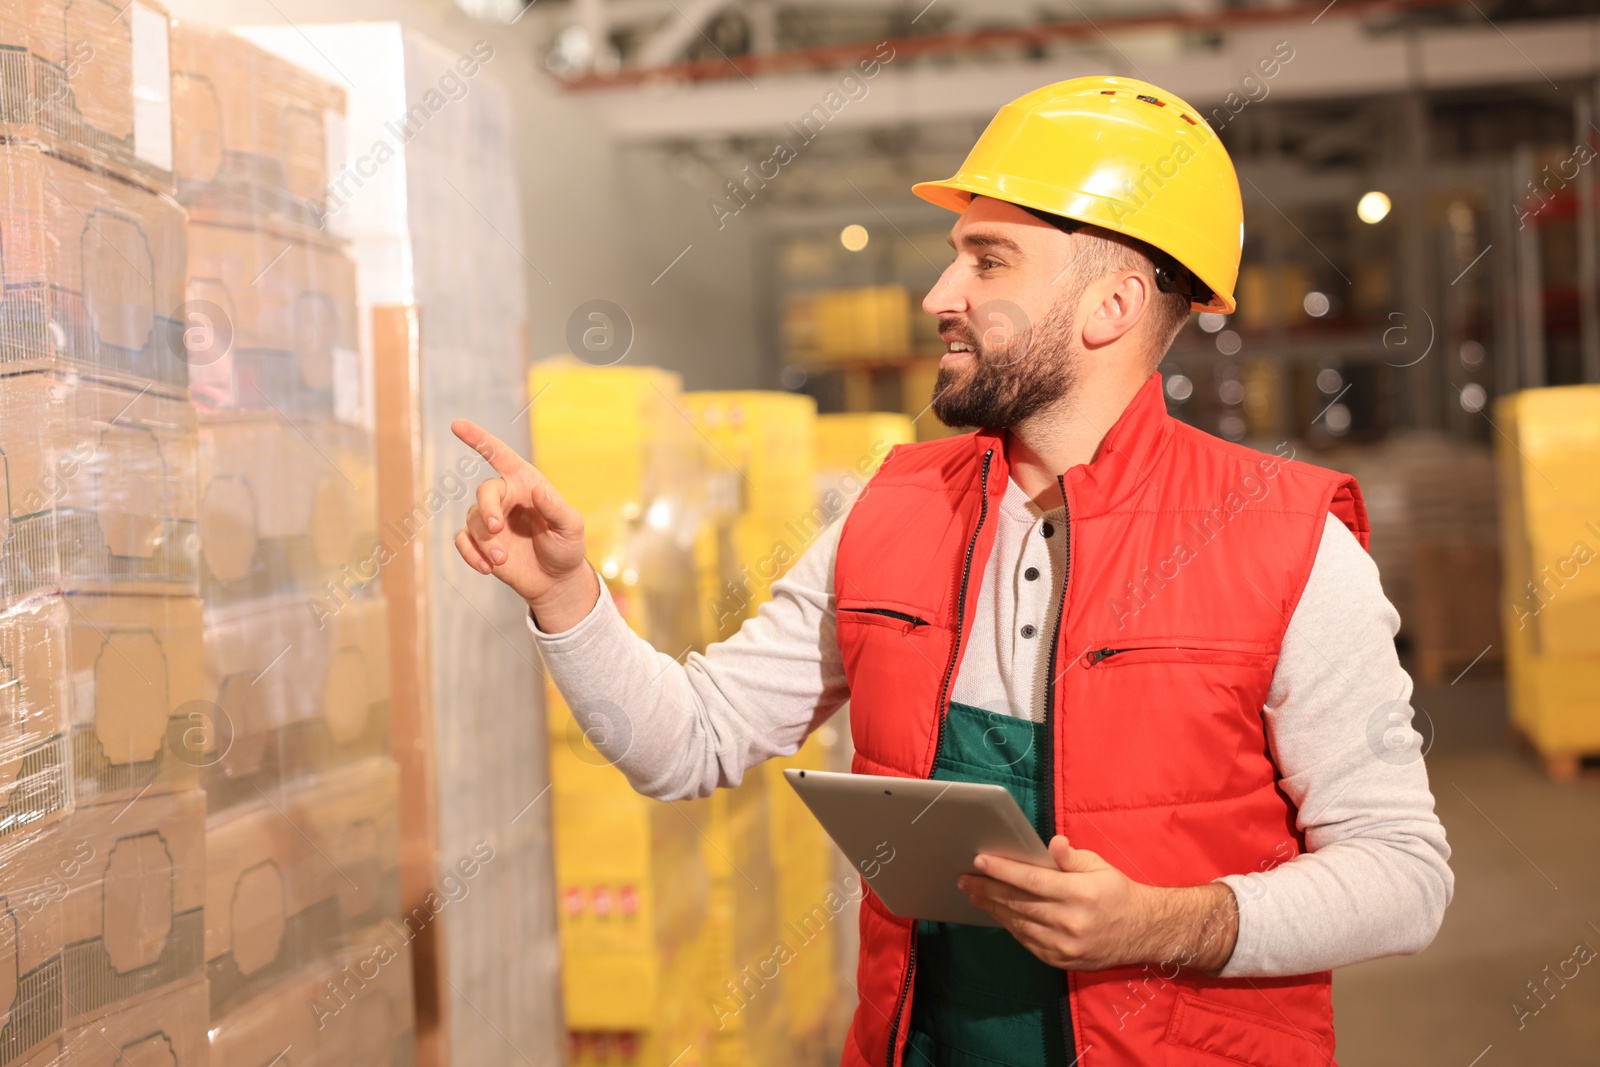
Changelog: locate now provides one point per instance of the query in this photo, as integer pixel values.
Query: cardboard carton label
(228, 524)
(257, 916)
(131, 705)
(152, 87)
(347, 697)
(131, 508)
(117, 265)
(138, 901)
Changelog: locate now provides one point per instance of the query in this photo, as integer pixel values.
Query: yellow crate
(1556, 703)
(600, 433)
(767, 438)
(868, 322)
(858, 441)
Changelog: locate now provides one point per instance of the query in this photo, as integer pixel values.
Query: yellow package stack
(814, 899)
(1550, 543)
(759, 449)
(868, 322)
(632, 879)
(300, 829)
(763, 445)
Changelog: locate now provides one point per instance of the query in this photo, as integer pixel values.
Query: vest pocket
(1238, 1035)
(886, 615)
(1113, 653)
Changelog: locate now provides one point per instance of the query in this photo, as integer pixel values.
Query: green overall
(981, 999)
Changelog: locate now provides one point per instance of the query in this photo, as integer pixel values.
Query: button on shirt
(1006, 663)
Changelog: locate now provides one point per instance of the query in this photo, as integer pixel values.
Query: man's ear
(1124, 298)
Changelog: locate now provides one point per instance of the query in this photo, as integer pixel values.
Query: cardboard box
(284, 507)
(166, 1028)
(251, 132)
(301, 691)
(90, 81)
(267, 908)
(35, 674)
(282, 333)
(136, 696)
(94, 273)
(364, 1002)
(101, 487)
(350, 816)
(34, 868)
(276, 1027)
(132, 917)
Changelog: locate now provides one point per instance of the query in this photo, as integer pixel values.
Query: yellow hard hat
(1120, 154)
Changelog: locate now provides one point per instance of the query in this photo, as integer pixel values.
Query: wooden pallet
(1561, 766)
(1438, 666)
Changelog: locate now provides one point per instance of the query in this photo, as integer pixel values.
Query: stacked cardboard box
(633, 881)
(103, 823)
(302, 832)
(1431, 505)
(429, 199)
(89, 82)
(1550, 538)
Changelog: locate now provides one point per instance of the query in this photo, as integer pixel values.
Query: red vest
(1186, 555)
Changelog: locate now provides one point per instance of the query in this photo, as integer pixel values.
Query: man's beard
(1000, 386)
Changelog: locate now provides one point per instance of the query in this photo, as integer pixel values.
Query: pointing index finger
(501, 456)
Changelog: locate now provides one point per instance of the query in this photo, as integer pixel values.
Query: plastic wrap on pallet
(100, 484)
(133, 909)
(90, 81)
(288, 722)
(35, 702)
(286, 506)
(254, 134)
(273, 321)
(422, 166)
(93, 274)
(301, 693)
(35, 866)
(167, 1026)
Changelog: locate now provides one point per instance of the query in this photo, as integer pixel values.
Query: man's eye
(988, 263)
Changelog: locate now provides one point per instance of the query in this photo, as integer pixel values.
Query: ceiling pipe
(834, 56)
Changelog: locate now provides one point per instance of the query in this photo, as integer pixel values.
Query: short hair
(1106, 252)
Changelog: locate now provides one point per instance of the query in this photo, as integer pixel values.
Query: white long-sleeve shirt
(1374, 880)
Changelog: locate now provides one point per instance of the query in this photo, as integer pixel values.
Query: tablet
(912, 837)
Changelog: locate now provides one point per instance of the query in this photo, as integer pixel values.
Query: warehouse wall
(594, 218)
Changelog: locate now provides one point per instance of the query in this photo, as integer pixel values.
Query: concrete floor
(1526, 855)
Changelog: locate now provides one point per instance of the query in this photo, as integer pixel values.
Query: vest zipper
(1049, 777)
(944, 691)
(902, 616)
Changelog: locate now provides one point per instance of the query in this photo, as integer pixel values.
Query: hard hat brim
(955, 194)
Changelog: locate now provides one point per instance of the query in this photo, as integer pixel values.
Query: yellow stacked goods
(761, 447)
(764, 445)
(632, 878)
(1550, 542)
(840, 325)
(810, 900)
(851, 447)
(615, 442)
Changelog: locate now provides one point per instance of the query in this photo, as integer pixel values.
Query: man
(1174, 651)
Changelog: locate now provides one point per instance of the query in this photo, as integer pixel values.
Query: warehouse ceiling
(592, 41)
